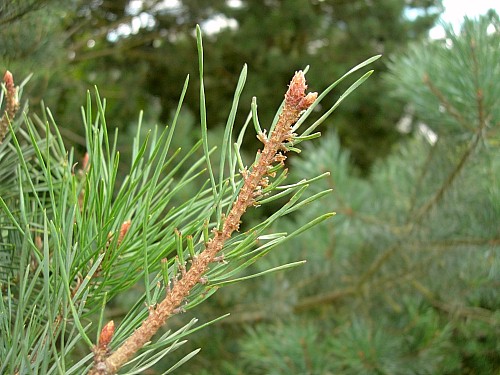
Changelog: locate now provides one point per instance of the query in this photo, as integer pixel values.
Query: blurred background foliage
(405, 279)
(139, 52)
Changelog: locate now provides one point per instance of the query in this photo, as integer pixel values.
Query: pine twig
(296, 101)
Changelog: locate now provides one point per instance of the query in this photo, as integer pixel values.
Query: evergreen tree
(405, 279)
(275, 35)
(73, 236)
(136, 53)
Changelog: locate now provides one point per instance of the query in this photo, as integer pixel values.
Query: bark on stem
(295, 102)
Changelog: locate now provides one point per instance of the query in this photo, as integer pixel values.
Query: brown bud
(309, 99)
(38, 242)
(12, 103)
(8, 80)
(11, 106)
(296, 89)
(295, 96)
(123, 231)
(106, 334)
(85, 161)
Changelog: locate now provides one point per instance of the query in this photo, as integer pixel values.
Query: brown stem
(295, 102)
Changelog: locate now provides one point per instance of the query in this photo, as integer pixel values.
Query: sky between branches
(456, 10)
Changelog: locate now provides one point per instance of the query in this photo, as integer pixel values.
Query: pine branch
(481, 126)
(417, 218)
(455, 113)
(295, 102)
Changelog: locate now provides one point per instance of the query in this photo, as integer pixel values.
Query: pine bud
(123, 231)
(295, 95)
(106, 334)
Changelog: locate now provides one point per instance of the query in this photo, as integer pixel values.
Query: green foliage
(137, 52)
(295, 351)
(73, 237)
(429, 74)
(404, 280)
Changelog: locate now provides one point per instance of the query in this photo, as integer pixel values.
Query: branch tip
(11, 106)
(255, 179)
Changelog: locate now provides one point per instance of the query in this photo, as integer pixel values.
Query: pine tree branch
(295, 102)
(325, 298)
(415, 219)
(424, 170)
(448, 182)
(478, 134)
(467, 312)
(304, 304)
(314, 301)
(455, 113)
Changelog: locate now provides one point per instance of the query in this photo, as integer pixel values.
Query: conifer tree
(404, 279)
(138, 51)
(73, 236)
